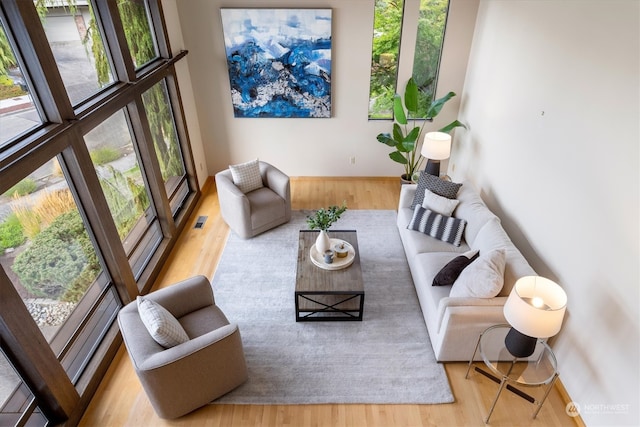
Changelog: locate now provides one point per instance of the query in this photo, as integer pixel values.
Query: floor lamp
(534, 309)
(436, 147)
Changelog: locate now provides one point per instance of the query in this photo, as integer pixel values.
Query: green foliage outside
(104, 155)
(60, 262)
(11, 233)
(386, 45)
(384, 57)
(24, 187)
(127, 199)
(431, 23)
(137, 31)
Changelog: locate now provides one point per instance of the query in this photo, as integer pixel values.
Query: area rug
(385, 359)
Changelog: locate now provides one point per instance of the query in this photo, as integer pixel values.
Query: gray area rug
(386, 358)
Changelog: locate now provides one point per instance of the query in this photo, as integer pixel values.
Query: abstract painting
(279, 61)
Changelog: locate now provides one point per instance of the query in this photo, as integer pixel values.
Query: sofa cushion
(417, 243)
(450, 272)
(473, 209)
(483, 278)
(163, 327)
(246, 176)
(439, 204)
(445, 228)
(439, 186)
(492, 236)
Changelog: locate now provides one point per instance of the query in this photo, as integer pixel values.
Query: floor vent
(200, 222)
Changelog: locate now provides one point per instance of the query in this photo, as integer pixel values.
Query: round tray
(338, 263)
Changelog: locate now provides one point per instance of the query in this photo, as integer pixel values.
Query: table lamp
(436, 147)
(534, 309)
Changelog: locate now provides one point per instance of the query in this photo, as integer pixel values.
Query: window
(387, 35)
(17, 111)
(96, 180)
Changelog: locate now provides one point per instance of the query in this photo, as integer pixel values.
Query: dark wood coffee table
(328, 294)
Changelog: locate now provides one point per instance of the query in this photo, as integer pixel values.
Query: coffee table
(323, 294)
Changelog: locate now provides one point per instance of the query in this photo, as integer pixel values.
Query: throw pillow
(441, 227)
(483, 278)
(246, 176)
(450, 272)
(439, 204)
(439, 186)
(163, 327)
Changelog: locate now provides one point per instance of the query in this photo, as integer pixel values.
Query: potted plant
(321, 220)
(407, 141)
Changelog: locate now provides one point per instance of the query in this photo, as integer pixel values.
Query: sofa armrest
(407, 193)
(476, 303)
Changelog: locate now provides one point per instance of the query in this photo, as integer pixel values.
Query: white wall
(309, 147)
(552, 101)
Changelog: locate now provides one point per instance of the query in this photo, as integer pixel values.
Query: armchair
(182, 378)
(252, 213)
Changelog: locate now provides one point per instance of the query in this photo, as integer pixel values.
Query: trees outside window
(387, 35)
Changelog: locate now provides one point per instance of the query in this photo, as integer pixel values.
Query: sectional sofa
(456, 317)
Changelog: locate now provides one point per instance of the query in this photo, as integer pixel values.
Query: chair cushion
(162, 326)
(445, 228)
(246, 176)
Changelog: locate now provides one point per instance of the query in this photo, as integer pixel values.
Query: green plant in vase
(321, 220)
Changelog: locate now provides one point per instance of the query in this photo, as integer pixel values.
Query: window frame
(61, 135)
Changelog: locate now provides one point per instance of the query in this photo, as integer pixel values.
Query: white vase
(323, 243)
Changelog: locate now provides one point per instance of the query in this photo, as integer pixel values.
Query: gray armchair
(187, 376)
(259, 210)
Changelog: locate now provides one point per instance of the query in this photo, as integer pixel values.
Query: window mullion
(26, 348)
(152, 171)
(94, 207)
(116, 42)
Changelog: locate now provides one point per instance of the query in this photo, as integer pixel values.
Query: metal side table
(539, 369)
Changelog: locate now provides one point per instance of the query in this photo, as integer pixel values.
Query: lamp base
(519, 344)
(433, 167)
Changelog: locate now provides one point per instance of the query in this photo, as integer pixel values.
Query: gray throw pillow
(436, 185)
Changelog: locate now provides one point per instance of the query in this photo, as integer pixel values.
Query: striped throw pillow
(445, 228)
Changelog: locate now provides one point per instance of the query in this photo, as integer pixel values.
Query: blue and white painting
(279, 61)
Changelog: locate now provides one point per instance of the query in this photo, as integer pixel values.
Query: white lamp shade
(436, 146)
(536, 306)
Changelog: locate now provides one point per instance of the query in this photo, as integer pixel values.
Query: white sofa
(454, 323)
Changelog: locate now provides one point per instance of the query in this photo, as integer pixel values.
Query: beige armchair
(182, 378)
(259, 210)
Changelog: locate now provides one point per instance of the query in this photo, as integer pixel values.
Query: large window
(389, 27)
(96, 180)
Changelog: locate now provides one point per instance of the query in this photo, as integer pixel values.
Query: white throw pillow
(483, 278)
(246, 176)
(439, 204)
(163, 327)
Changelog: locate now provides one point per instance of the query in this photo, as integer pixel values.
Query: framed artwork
(279, 61)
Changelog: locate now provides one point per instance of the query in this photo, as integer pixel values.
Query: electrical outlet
(352, 160)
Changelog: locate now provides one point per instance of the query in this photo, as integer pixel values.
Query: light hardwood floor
(120, 400)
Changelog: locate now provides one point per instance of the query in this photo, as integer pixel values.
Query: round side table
(539, 369)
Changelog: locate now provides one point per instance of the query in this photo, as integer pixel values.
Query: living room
(536, 82)
(532, 79)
